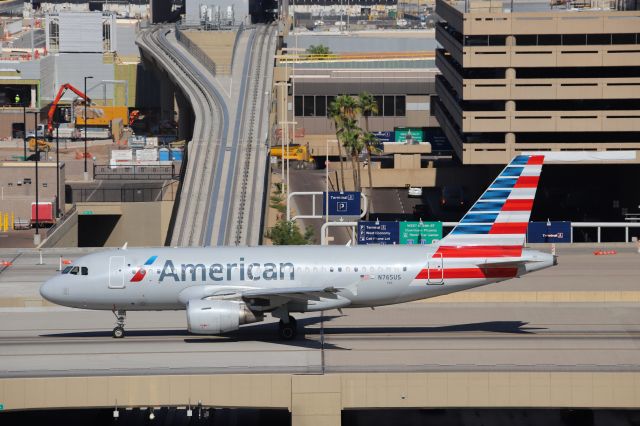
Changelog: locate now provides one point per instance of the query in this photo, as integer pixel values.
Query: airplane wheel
(118, 333)
(288, 331)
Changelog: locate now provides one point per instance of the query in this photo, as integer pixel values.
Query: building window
(54, 36)
(574, 39)
(330, 100)
(378, 100)
(309, 109)
(549, 39)
(623, 38)
(598, 38)
(321, 106)
(389, 106)
(106, 36)
(401, 109)
(298, 106)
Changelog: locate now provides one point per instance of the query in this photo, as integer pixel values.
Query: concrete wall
(65, 233)
(140, 224)
(18, 196)
(319, 399)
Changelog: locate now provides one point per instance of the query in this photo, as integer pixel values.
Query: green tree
(320, 49)
(368, 106)
(343, 111)
(287, 232)
(352, 142)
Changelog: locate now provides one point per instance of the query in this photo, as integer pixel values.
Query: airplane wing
(282, 293)
(288, 290)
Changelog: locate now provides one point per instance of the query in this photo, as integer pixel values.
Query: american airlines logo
(142, 271)
(235, 271)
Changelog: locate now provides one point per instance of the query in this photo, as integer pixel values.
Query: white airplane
(222, 288)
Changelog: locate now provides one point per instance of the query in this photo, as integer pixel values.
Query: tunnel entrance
(161, 416)
(492, 416)
(95, 230)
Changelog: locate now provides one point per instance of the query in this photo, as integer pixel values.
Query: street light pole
(86, 173)
(36, 238)
(57, 169)
(24, 133)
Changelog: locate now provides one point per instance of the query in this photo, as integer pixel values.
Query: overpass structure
(220, 201)
(564, 338)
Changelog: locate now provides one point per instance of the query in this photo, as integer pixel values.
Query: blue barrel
(163, 154)
(176, 154)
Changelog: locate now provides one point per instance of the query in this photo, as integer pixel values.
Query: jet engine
(218, 316)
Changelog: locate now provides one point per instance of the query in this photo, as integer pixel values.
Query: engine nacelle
(218, 316)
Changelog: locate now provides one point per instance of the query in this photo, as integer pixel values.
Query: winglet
(124, 247)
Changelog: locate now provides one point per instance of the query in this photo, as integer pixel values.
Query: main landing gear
(288, 330)
(118, 331)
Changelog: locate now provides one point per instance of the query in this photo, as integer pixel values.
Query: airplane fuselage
(166, 278)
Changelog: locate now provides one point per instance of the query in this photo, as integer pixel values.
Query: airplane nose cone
(48, 290)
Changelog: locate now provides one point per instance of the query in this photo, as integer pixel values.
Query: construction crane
(54, 105)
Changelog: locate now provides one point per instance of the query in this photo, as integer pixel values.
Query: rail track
(225, 166)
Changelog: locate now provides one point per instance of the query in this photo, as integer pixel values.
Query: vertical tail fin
(500, 216)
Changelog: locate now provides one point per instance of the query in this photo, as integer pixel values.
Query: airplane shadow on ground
(266, 332)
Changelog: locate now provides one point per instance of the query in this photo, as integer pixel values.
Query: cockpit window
(67, 269)
(84, 270)
(74, 270)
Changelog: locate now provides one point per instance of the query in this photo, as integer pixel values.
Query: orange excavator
(135, 114)
(54, 105)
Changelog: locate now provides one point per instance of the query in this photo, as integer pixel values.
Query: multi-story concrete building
(557, 79)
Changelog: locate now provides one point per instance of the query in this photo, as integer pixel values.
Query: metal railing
(123, 195)
(135, 172)
(598, 226)
(196, 51)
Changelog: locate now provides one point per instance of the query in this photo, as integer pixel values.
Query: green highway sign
(87, 212)
(1, 407)
(420, 232)
(409, 134)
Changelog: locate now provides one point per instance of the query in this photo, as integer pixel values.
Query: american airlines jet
(222, 288)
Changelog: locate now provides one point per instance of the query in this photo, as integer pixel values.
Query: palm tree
(347, 106)
(341, 110)
(336, 116)
(368, 106)
(352, 142)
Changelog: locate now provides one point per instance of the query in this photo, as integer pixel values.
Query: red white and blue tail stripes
(500, 216)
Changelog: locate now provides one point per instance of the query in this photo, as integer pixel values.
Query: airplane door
(435, 270)
(116, 272)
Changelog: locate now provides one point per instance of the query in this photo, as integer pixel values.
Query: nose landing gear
(118, 331)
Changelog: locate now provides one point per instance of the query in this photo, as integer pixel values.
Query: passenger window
(355, 269)
(84, 270)
(74, 270)
(404, 268)
(315, 269)
(348, 269)
(339, 268)
(67, 269)
(331, 269)
(306, 269)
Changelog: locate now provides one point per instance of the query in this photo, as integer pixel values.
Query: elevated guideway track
(219, 202)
